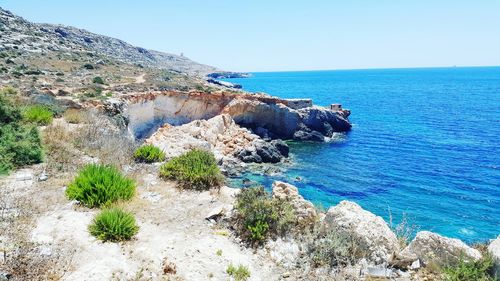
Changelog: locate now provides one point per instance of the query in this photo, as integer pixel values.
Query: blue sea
(424, 145)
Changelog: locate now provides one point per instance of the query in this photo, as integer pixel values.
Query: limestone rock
(280, 121)
(494, 249)
(370, 230)
(434, 248)
(304, 209)
(229, 142)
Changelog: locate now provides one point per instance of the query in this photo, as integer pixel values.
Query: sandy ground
(172, 227)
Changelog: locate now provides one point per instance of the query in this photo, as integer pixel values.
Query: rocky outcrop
(229, 142)
(494, 250)
(305, 211)
(281, 121)
(224, 84)
(433, 248)
(371, 231)
(227, 74)
(269, 117)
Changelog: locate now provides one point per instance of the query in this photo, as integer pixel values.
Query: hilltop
(67, 60)
(26, 37)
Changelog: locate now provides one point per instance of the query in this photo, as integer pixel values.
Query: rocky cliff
(268, 117)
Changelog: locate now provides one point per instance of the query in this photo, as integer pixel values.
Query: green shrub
(98, 80)
(260, 215)
(113, 225)
(480, 270)
(38, 114)
(20, 143)
(196, 169)
(336, 248)
(240, 273)
(149, 153)
(97, 185)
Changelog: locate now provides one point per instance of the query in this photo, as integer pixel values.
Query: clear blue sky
(267, 35)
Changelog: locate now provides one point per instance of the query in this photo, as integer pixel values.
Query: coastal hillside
(24, 36)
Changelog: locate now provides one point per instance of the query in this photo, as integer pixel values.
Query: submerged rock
(494, 250)
(371, 231)
(434, 248)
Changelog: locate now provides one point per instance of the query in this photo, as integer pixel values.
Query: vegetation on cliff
(149, 154)
(20, 142)
(480, 270)
(113, 225)
(196, 169)
(260, 216)
(38, 114)
(100, 185)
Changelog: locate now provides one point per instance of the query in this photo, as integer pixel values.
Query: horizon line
(373, 68)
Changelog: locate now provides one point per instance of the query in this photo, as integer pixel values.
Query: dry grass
(21, 258)
(74, 116)
(404, 230)
(61, 155)
(103, 137)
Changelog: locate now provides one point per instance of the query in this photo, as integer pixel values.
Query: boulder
(433, 248)
(304, 209)
(494, 250)
(281, 146)
(372, 232)
(268, 152)
(263, 152)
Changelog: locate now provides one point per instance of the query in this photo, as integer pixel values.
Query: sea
(424, 149)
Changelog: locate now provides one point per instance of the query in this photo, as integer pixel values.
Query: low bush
(73, 116)
(88, 66)
(260, 215)
(149, 153)
(240, 273)
(196, 169)
(100, 185)
(480, 270)
(98, 80)
(20, 143)
(335, 248)
(38, 114)
(113, 225)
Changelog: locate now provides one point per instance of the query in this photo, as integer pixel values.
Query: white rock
(434, 248)
(304, 209)
(283, 252)
(494, 249)
(372, 231)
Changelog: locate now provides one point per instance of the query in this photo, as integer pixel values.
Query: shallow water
(424, 143)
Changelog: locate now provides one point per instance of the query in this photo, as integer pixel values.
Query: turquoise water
(424, 143)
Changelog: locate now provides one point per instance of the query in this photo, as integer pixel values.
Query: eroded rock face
(304, 209)
(434, 248)
(494, 250)
(280, 121)
(269, 117)
(229, 142)
(370, 230)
